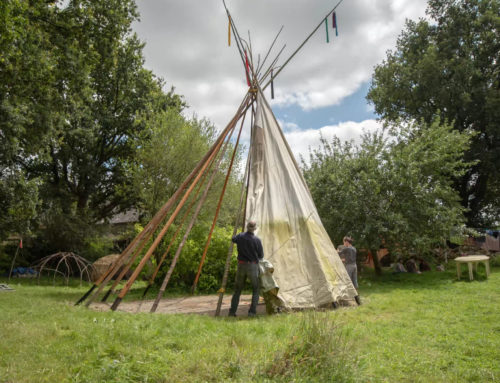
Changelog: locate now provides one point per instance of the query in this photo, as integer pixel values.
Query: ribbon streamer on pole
(272, 86)
(247, 69)
(326, 28)
(334, 23)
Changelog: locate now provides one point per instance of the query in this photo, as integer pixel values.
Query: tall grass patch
(319, 351)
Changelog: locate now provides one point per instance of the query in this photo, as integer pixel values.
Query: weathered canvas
(307, 267)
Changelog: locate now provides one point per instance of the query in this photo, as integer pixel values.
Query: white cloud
(186, 44)
(301, 142)
(288, 126)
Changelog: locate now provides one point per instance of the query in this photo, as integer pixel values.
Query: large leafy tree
(72, 85)
(78, 112)
(449, 66)
(394, 189)
(26, 72)
(26, 101)
(168, 151)
(102, 87)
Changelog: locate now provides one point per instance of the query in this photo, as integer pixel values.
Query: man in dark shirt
(250, 251)
(348, 256)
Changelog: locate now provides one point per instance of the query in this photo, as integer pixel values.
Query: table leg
(471, 275)
(487, 265)
(459, 272)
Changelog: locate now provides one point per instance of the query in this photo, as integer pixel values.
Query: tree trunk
(376, 262)
(82, 202)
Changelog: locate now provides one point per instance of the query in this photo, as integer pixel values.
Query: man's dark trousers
(250, 269)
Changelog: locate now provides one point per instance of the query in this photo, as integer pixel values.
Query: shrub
(189, 260)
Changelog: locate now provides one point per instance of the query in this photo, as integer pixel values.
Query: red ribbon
(247, 69)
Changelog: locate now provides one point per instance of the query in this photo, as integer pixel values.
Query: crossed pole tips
(201, 177)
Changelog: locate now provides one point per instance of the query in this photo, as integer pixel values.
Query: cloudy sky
(322, 89)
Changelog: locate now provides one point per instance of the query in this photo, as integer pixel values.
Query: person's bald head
(251, 226)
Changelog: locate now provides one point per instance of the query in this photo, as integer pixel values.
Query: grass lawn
(410, 328)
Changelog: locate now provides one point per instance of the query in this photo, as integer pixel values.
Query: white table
(473, 260)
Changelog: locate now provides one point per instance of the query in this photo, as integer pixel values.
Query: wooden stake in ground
(13, 262)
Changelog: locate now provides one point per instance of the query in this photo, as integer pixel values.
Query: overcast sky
(322, 89)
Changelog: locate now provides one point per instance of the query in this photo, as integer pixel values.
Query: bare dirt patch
(203, 304)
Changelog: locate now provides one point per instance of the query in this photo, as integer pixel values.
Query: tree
(394, 189)
(19, 202)
(26, 63)
(26, 99)
(102, 88)
(448, 66)
(72, 86)
(168, 150)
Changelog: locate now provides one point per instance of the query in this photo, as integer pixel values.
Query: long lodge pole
(152, 225)
(193, 218)
(156, 242)
(184, 239)
(133, 258)
(146, 233)
(228, 174)
(244, 188)
(141, 239)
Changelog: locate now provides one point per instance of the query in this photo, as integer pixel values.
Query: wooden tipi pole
(244, 188)
(156, 242)
(134, 257)
(207, 244)
(195, 215)
(184, 239)
(144, 235)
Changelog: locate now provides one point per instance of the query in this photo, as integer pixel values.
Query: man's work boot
(358, 300)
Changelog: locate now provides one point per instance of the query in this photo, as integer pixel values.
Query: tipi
(307, 267)
(308, 270)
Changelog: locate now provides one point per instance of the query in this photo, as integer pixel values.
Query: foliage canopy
(395, 189)
(86, 131)
(448, 66)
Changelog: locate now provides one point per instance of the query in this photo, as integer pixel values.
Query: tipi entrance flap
(308, 269)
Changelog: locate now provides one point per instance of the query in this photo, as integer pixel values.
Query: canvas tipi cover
(308, 269)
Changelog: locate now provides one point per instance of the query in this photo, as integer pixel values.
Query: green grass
(410, 328)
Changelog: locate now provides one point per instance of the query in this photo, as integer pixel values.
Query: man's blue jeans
(252, 271)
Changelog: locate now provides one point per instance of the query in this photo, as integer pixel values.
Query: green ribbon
(326, 26)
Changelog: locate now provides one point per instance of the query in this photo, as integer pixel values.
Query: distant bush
(189, 260)
(495, 260)
(96, 247)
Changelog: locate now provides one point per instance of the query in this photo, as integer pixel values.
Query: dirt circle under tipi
(201, 304)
